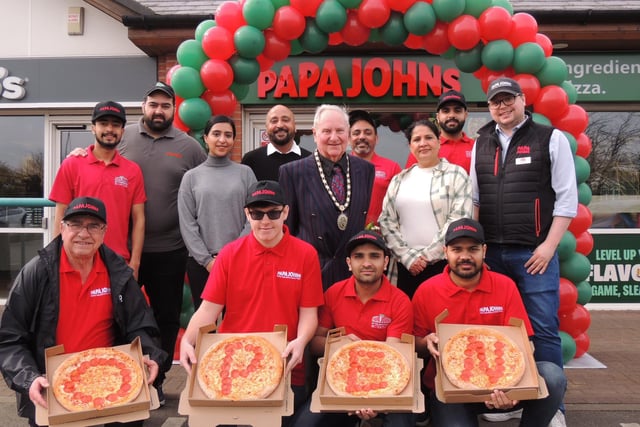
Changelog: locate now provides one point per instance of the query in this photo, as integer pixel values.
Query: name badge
(523, 161)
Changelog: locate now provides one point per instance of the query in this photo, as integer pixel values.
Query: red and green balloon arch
(482, 37)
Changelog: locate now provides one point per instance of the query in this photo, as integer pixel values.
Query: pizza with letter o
(97, 378)
(482, 358)
(240, 368)
(367, 368)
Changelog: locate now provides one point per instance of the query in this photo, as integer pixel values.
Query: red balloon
(274, 47)
(177, 121)
(524, 29)
(374, 13)
(437, 41)
(568, 296)
(576, 322)
(584, 145)
(176, 351)
(530, 87)
(229, 15)
(574, 121)
(583, 342)
(552, 102)
(492, 75)
(217, 75)
(584, 243)
(335, 39)
(264, 62)
(306, 7)
(545, 43)
(495, 23)
(354, 33)
(464, 32)
(413, 41)
(582, 221)
(217, 43)
(221, 103)
(481, 72)
(170, 73)
(402, 5)
(288, 23)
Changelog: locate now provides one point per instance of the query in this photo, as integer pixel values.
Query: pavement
(596, 397)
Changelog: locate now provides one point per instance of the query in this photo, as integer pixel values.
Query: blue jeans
(539, 293)
(535, 413)
(305, 418)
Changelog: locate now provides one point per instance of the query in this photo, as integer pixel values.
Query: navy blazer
(313, 216)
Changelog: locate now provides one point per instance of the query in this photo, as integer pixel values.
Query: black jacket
(30, 318)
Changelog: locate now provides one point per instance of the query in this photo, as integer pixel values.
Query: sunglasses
(258, 215)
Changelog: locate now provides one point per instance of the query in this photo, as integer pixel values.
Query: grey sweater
(211, 206)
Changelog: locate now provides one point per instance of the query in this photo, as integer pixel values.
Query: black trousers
(409, 283)
(198, 276)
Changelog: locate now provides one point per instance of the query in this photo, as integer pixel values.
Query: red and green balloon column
(482, 37)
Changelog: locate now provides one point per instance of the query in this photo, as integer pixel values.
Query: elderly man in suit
(328, 193)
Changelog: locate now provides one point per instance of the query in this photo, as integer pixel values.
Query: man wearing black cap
(266, 278)
(369, 307)
(455, 145)
(473, 294)
(105, 174)
(164, 153)
(76, 292)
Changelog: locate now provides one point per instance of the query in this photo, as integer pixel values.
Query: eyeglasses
(92, 228)
(258, 215)
(507, 101)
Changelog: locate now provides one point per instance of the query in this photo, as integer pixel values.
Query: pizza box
(57, 415)
(410, 399)
(206, 339)
(531, 386)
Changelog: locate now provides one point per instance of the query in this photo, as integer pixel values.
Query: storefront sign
(615, 268)
(605, 77)
(11, 87)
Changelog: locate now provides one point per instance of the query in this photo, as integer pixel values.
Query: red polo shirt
(385, 170)
(457, 152)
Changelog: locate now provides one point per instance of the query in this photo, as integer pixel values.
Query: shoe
(161, 398)
(497, 417)
(558, 420)
(423, 419)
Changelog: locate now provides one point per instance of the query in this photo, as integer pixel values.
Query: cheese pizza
(244, 367)
(96, 379)
(367, 368)
(482, 358)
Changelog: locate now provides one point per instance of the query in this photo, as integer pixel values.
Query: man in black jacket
(76, 292)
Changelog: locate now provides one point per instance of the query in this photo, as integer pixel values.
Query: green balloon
(448, 10)
(420, 19)
(245, 71)
(553, 72)
(203, 27)
(313, 39)
(584, 193)
(331, 16)
(573, 144)
(576, 268)
(186, 297)
(198, 135)
(393, 31)
(296, 48)
(582, 169)
(568, 346)
(584, 292)
(186, 83)
(350, 4)
(449, 53)
(190, 54)
(185, 317)
(239, 90)
(374, 35)
(528, 58)
(497, 55)
(469, 61)
(505, 4)
(277, 4)
(539, 118)
(194, 112)
(476, 7)
(249, 41)
(567, 246)
(571, 91)
(259, 13)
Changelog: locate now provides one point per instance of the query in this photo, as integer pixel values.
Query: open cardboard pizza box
(531, 386)
(57, 415)
(410, 399)
(203, 411)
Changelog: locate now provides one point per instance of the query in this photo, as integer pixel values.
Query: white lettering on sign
(11, 87)
(611, 67)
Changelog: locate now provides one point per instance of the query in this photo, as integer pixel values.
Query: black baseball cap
(464, 227)
(265, 192)
(451, 96)
(108, 108)
(162, 87)
(503, 84)
(357, 115)
(86, 206)
(366, 236)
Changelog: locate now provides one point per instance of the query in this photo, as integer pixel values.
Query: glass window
(16, 249)
(22, 148)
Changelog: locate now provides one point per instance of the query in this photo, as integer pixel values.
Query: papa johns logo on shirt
(491, 309)
(380, 321)
(100, 292)
(289, 275)
(122, 181)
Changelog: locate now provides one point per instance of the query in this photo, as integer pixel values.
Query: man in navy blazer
(319, 213)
